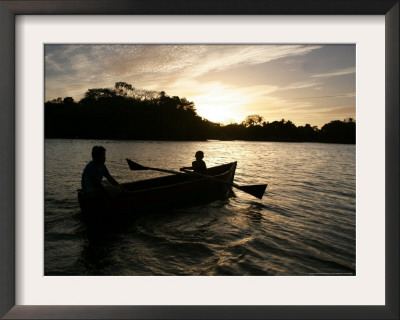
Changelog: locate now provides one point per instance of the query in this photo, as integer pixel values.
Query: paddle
(254, 190)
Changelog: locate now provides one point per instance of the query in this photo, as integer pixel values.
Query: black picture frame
(8, 11)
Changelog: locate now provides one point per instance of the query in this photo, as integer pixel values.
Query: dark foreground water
(304, 225)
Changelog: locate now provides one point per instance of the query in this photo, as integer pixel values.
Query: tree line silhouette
(127, 113)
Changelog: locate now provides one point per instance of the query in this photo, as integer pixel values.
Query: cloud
(335, 73)
(149, 64)
(301, 85)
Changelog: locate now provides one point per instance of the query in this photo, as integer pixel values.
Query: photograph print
(200, 160)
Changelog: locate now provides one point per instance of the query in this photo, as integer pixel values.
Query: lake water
(304, 225)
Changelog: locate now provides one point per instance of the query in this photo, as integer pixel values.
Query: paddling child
(94, 172)
(199, 165)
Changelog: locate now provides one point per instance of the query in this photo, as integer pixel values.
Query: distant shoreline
(207, 140)
(120, 114)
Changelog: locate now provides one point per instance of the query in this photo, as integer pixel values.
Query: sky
(306, 84)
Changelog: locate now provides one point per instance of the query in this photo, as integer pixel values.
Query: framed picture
(43, 282)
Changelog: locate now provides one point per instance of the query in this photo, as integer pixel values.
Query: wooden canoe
(162, 193)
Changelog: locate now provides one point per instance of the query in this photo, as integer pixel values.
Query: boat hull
(163, 193)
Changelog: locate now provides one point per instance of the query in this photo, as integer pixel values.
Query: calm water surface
(304, 225)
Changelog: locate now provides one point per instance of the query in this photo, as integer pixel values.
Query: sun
(220, 105)
(219, 113)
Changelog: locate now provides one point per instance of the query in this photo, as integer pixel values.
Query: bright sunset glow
(219, 103)
(312, 84)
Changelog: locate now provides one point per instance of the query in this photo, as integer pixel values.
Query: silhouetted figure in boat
(94, 172)
(199, 165)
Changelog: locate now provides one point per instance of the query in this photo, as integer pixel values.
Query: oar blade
(257, 191)
(135, 166)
